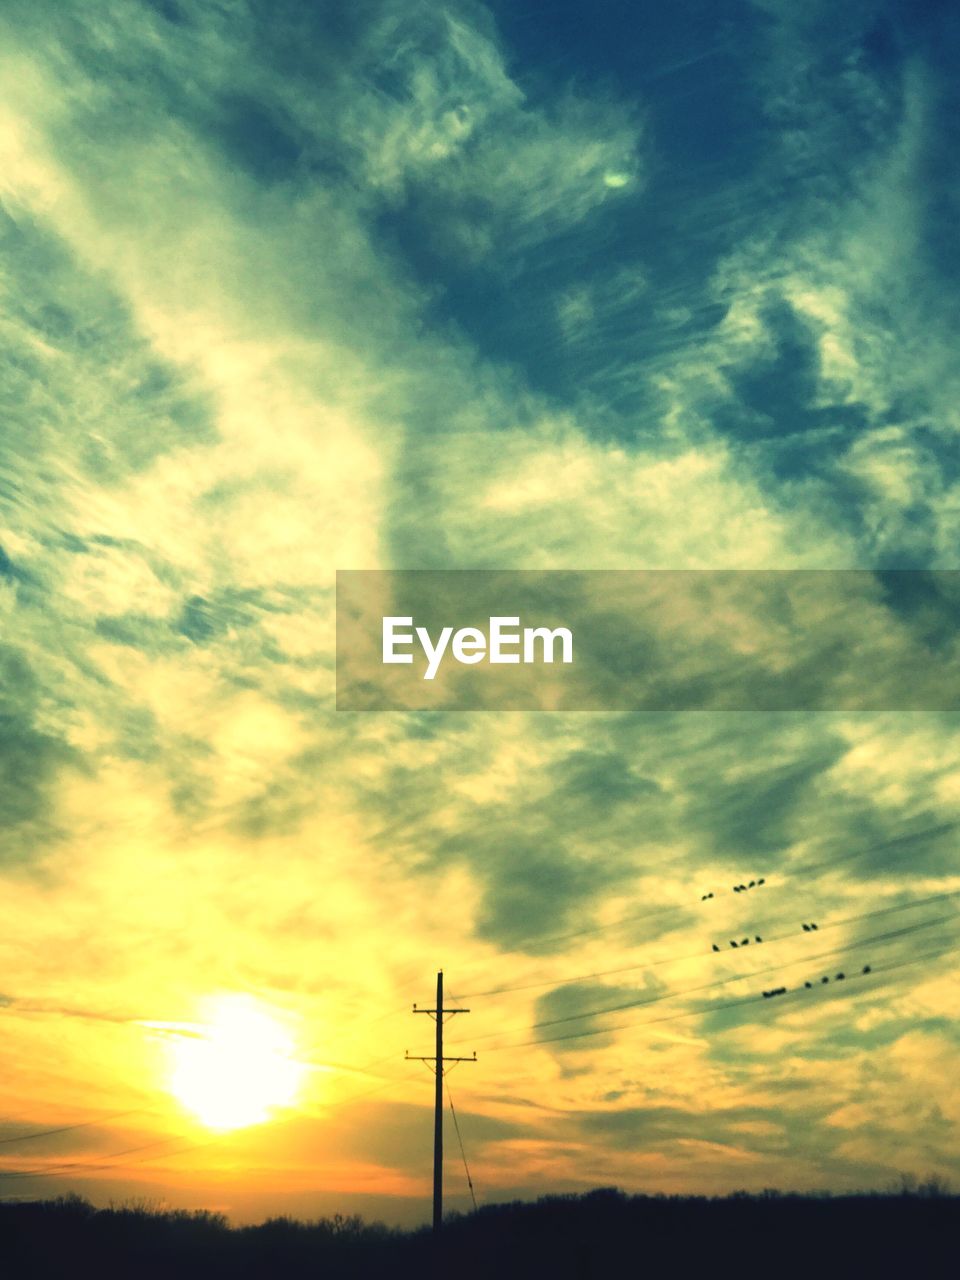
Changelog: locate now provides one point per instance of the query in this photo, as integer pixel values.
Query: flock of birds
(745, 942)
(737, 888)
(839, 978)
(782, 991)
(808, 926)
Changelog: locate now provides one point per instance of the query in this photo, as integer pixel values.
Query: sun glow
(236, 1067)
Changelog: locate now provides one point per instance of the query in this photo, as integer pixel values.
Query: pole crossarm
(431, 1058)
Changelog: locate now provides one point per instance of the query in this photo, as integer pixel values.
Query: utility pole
(436, 1063)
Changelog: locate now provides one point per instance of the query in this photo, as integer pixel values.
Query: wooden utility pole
(436, 1063)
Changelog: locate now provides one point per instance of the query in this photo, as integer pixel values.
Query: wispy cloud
(290, 288)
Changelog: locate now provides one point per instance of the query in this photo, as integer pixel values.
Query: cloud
(294, 287)
(31, 761)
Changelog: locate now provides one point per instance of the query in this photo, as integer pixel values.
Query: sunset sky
(289, 287)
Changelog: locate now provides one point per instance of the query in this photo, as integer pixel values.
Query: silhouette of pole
(436, 1062)
(438, 1114)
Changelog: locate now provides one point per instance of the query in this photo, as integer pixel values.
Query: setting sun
(235, 1068)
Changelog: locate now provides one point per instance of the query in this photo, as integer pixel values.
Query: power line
(19, 1005)
(896, 844)
(463, 1154)
(109, 1161)
(899, 843)
(16, 1005)
(695, 955)
(715, 1008)
(69, 1128)
(877, 939)
(346, 1068)
(66, 1167)
(29, 1005)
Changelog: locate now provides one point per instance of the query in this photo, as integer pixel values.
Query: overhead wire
(706, 1010)
(110, 1160)
(753, 999)
(695, 955)
(69, 1128)
(463, 1154)
(16, 1005)
(878, 939)
(896, 844)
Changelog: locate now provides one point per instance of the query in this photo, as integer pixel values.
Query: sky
(294, 287)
